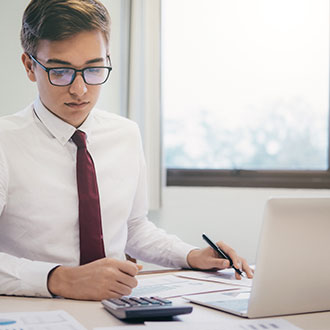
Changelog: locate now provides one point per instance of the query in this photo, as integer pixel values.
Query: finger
(128, 267)
(248, 271)
(239, 273)
(121, 289)
(218, 263)
(127, 280)
(238, 276)
(112, 295)
(231, 253)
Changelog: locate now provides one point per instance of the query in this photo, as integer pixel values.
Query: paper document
(170, 286)
(226, 276)
(223, 324)
(54, 320)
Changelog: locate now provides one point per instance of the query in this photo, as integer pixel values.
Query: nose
(78, 86)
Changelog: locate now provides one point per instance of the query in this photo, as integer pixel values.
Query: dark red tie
(90, 226)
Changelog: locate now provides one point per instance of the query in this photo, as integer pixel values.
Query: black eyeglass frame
(75, 72)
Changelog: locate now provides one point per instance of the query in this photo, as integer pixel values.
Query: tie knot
(79, 138)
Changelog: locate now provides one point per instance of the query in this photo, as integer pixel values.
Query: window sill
(248, 178)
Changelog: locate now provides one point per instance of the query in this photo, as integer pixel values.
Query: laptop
(292, 273)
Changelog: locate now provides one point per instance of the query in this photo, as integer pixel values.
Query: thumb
(220, 263)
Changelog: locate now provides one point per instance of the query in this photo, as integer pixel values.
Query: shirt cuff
(181, 258)
(34, 275)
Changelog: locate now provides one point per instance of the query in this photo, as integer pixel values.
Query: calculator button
(163, 301)
(140, 301)
(151, 301)
(129, 301)
(118, 302)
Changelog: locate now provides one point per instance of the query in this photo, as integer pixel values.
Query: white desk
(92, 314)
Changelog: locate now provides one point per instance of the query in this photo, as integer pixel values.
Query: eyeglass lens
(65, 76)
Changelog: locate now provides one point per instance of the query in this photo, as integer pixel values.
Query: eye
(95, 70)
(61, 72)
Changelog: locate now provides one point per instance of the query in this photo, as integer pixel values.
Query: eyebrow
(58, 61)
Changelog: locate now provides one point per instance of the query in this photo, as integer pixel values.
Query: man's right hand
(101, 279)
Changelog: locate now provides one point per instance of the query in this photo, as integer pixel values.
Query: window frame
(301, 179)
(248, 178)
(307, 179)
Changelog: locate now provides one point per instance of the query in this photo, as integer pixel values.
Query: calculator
(144, 308)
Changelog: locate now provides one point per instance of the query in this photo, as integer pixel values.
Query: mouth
(77, 105)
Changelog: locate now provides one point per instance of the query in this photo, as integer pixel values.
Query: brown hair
(61, 19)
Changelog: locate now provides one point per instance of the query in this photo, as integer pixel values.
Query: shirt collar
(60, 129)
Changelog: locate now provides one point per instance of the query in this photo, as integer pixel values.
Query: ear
(29, 66)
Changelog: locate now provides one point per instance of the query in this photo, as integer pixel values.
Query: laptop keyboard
(239, 305)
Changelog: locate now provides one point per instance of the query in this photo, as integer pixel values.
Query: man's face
(74, 102)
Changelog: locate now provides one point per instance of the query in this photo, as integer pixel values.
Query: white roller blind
(144, 87)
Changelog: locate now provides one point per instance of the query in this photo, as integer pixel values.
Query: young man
(72, 178)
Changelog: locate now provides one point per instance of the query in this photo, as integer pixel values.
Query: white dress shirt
(39, 199)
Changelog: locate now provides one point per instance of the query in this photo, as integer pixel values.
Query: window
(245, 92)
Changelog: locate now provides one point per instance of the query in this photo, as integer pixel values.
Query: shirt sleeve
(19, 276)
(3, 181)
(147, 242)
(23, 277)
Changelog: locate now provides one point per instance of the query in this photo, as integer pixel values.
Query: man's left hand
(207, 258)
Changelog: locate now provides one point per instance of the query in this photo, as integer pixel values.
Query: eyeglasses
(64, 76)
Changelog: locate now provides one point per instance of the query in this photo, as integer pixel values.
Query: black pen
(221, 254)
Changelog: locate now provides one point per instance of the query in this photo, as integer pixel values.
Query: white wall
(233, 215)
(17, 91)
(230, 214)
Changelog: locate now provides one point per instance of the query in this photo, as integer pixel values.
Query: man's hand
(208, 259)
(101, 279)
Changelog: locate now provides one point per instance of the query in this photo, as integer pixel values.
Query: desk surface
(92, 314)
